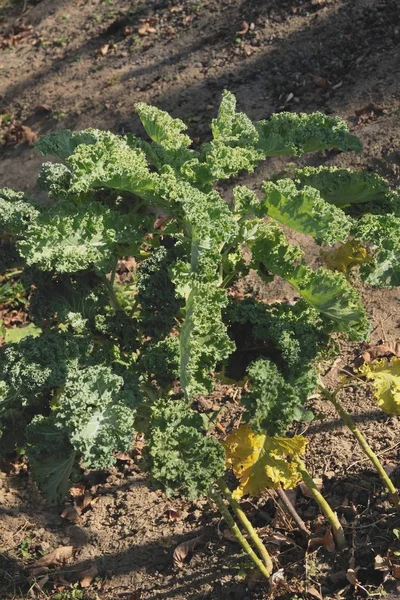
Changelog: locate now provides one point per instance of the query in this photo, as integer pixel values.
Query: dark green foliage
(156, 294)
(295, 332)
(272, 403)
(180, 457)
(160, 360)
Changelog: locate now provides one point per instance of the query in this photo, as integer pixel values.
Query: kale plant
(116, 356)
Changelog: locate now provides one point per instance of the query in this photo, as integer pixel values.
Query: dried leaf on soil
(326, 541)
(86, 577)
(70, 514)
(57, 556)
(306, 492)
(182, 551)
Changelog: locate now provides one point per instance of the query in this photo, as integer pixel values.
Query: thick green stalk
(337, 529)
(365, 446)
(223, 509)
(112, 296)
(255, 539)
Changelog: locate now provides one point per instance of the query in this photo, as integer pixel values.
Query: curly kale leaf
(328, 292)
(208, 225)
(119, 328)
(156, 294)
(203, 338)
(295, 134)
(295, 332)
(180, 457)
(233, 148)
(305, 211)
(39, 364)
(270, 248)
(272, 402)
(382, 232)
(332, 295)
(162, 128)
(344, 187)
(111, 163)
(51, 458)
(68, 238)
(231, 126)
(160, 360)
(63, 143)
(56, 297)
(98, 422)
(55, 179)
(16, 212)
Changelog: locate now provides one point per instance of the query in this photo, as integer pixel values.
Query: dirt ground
(84, 63)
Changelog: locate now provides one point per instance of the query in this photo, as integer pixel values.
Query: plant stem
(254, 537)
(112, 296)
(114, 272)
(292, 511)
(365, 446)
(238, 534)
(337, 529)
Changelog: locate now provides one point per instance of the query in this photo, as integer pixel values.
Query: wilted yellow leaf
(346, 256)
(261, 462)
(386, 381)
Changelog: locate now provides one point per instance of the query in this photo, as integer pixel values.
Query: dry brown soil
(81, 63)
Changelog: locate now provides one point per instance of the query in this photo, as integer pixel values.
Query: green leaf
(51, 458)
(203, 338)
(332, 295)
(15, 335)
(16, 212)
(304, 211)
(68, 238)
(63, 143)
(180, 457)
(162, 128)
(382, 233)
(343, 187)
(295, 134)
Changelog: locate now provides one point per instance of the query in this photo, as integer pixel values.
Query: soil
(84, 63)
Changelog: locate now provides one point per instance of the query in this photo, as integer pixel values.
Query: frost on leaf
(385, 379)
(261, 462)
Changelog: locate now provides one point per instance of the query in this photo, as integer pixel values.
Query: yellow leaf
(386, 381)
(346, 256)
(261, 462)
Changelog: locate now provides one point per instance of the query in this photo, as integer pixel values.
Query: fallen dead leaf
(70, 514)
(321, 82)
(378, 351)
(182, 551)
(57, 556)
(371, 107)
(86, 577)
(396, 571)
(382, 563)
(326, 541)
(351, 577)
(103, 50)
(306, 492)
(173, 514)
(244, 28)
(77, 490)
(38, 571)
(314, 593)
(87, 500)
